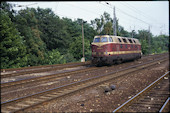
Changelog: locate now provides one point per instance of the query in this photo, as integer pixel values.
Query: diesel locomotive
(108, 49)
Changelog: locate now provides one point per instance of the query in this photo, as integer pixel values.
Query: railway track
(38, 69)
(165, 106)
(6, 73)
(23, 103)
(42, 78)
(150, 99)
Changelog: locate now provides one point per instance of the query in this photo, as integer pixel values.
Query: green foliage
(144, 47)
(73, 28)
(103, 25)
(8, 8)
(12, 48)
(76, 48)
(27, 25)
(53, 29)
(54, 57)
(122, 32)
(68, 57)
(160, 44)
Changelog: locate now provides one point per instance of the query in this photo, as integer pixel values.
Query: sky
(132, 15)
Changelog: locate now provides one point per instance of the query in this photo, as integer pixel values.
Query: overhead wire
(144, 14)
(84, 9)
(137, 11)
(92, 12)
(127, 14)
(111, 6)
(142, 21)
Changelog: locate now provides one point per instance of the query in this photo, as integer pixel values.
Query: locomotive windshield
(97, 40)
(102, 39)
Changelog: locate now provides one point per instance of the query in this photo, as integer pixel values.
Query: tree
(54, 57)
(27, 24)
(122, 32)
(53, 29)
(38, 36)
(12, 48)
(8, 8)
(160, 44)
(143, 36)
(76, 48)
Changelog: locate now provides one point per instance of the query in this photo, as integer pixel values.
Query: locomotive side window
(119, 40)
(134, 41)
(97, 40)
(124, 40)
(126, 45)
(130, 40)
(121, 46)
(110, 39)
(104, 39)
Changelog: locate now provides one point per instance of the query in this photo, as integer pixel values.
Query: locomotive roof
(115, 38)
(112, 36)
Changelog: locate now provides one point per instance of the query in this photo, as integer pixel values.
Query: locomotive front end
(100, 49)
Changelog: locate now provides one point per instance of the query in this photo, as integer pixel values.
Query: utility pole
(149, 41)
(114, 22)
(83, 58)
(132, 33)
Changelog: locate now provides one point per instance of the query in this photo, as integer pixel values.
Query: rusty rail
(140, 93)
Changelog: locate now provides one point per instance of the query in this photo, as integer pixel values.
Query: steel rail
(40, 78)
(162, 108)
(133, 68)
(35, 79)
(35, 69)
(58, 65)
(42, 69)
(141, 92)
(31, 67)
(32, 79)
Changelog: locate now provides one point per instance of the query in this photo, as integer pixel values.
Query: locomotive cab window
(104, 39)
(97, 40)
(110, 39)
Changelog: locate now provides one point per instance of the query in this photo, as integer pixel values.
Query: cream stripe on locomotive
(115, 52)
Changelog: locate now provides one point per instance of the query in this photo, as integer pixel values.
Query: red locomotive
(107, 49)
